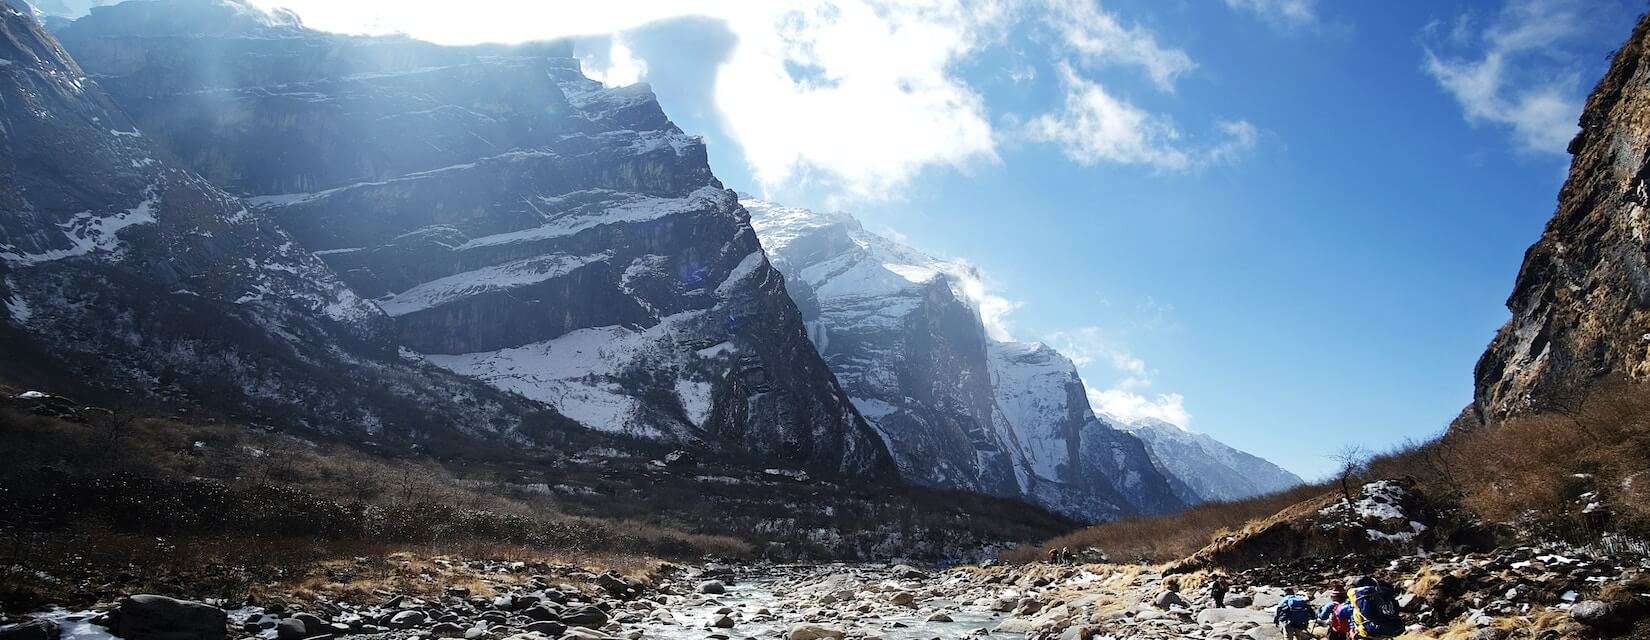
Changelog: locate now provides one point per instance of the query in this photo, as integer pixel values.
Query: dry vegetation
(1538, 471)
(116, 503)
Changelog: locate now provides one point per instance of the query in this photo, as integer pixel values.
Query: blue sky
(1289, 224)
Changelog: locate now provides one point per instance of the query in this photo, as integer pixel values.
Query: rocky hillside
(1204, 469)
(126, 277)
(507, 218)
(956, 407)
(1581, 305)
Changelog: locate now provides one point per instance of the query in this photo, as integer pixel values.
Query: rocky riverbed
(1482, 596)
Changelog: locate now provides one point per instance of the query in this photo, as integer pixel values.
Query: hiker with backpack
(1294, 616)
(1217, 590)
(1337, 615)
(1374, 610)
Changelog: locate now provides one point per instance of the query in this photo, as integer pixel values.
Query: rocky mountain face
(125, 276)
(509, 219)
(1581, 304)
(1204, 469)
(956, 407)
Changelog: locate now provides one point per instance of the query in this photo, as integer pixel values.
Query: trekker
(1374, 610)
(1217, 591)
(1294, 615)
(1337, 615)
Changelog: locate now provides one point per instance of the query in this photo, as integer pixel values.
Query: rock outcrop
(124, 276)
(515, 221)
(956, 407)
(1581, 304)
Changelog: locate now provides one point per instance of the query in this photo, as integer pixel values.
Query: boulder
(546, 627)
(902, 598)
(152, 617)
(1168, 599)
(813, 632)
(939, 616)
(448, 630)
(713, 587)
(722, 622)
(1239, 601)
(1604, 616)
(32, 630)
(586, 616)
(408, 619)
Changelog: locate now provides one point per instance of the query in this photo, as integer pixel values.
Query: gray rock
(152, 617)
(552, 629)
(1239, 601)
(939, 616)
(32, 630)
(587, 616)
(1604, 616)
(448, 630)
(1168, 599)
(722, 622)
(712, 587)
(408, 619)
(813, 632)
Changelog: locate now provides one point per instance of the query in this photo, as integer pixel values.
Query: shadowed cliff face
(1581, 305)
(514, 221)
(125, 277)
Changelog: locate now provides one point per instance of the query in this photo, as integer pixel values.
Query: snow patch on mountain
(1207, 469)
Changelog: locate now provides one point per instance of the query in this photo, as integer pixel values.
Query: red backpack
(1340, 619)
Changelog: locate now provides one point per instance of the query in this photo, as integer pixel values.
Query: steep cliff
(125, 277)
(514, 221)
(1581, 304)
(955, 407)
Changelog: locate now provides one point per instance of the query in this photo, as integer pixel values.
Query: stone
(32, 630)
(546, 627)
(712, 587)
(586, 616)
(152, 617)
(448, 630)
(1168, 599)
(901, 598)
(1239, 601)
(722, 622)
(939, 616)
(813, 632)
(290, 629)
(1604, 616)
(408, 619)
(581, 633)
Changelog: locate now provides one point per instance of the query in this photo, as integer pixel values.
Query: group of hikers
(1367, 610)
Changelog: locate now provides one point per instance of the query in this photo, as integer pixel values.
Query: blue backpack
(1375, 613)
(1296, 611)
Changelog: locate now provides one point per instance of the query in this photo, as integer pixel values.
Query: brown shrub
(1534, 469)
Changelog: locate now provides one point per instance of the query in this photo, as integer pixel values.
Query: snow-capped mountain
(955, 407)
(127, 278)
(505, 217)
(1205, 469)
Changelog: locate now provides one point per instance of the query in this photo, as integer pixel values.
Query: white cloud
(856, 96)
(1096, 38)
(1131, 407)
(1519, 76)
(1126, 397)
(618, 67)
(1095, 127)
(992, 306)
(1288, 13)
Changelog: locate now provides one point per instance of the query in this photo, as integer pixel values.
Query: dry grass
(1533, 469)
(115, 504)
